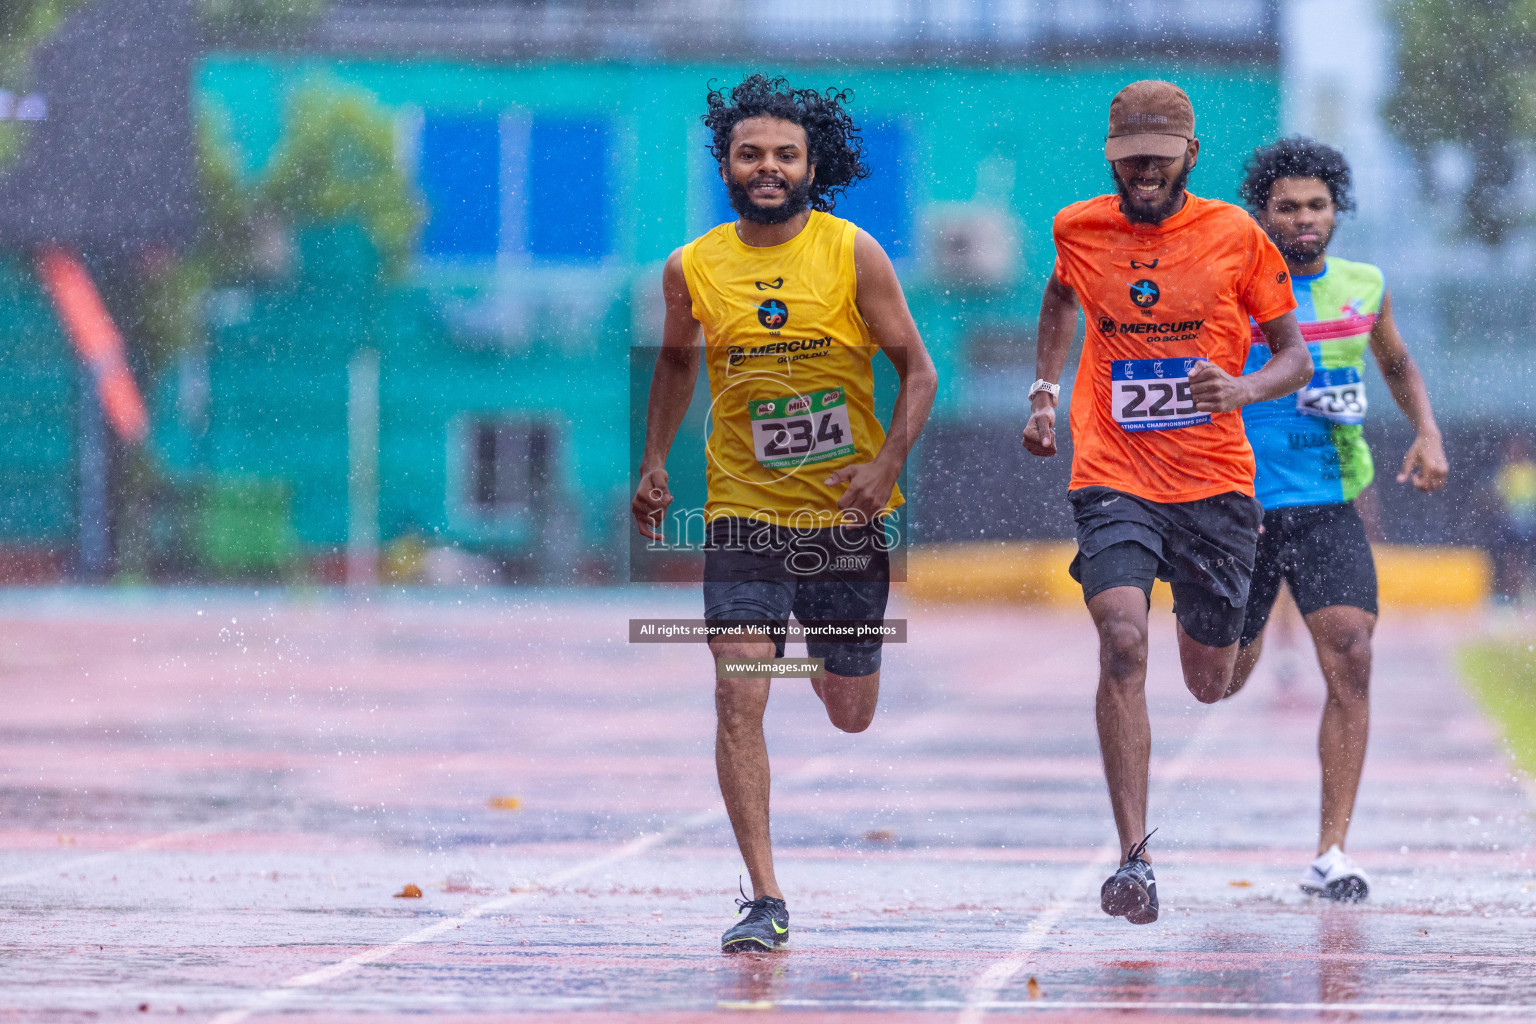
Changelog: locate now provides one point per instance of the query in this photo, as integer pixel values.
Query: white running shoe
(1336, 877)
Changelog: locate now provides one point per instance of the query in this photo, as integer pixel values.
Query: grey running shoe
(766, 927)
(1131, 892)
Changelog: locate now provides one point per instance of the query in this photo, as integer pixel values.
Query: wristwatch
(1044, 385)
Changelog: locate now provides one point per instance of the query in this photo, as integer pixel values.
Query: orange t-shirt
(1157, 298)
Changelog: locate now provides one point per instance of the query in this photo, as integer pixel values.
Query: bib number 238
(1153, 394)
(800, 430)
(1336, 395)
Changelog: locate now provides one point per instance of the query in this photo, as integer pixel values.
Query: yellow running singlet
(790, 382)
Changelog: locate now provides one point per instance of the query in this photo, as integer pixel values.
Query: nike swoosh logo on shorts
(1106, 501)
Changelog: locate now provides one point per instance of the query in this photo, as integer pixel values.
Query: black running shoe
(1131, 892)
(765, 927)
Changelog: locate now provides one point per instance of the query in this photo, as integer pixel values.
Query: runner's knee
(1348, 651)
(745, 650)
(1208, 669)
(851, 717)
(1352, 642)
(850, 702)
(1123, 648)
(856, 721)
(740, 701)
(1208, 683)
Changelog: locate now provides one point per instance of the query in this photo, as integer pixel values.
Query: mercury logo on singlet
(1179, 330)
(797, 348)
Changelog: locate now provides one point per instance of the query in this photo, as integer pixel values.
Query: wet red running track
(209, 800)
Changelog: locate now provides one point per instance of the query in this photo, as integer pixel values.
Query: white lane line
(271, 999)
(151, 843)
(984, 991)
(554, 1004)
(994, 979)
(1048, 1004)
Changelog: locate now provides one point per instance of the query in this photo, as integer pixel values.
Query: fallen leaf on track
(410, 892)
(1241, 884)
(505, 803)
(1034, 988)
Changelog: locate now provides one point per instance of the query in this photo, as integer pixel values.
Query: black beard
(1137, 214)
(796, 201)
(1300, 254)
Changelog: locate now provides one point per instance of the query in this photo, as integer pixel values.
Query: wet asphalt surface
(208, 802)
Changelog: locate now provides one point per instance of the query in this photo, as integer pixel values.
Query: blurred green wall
(1049, 122)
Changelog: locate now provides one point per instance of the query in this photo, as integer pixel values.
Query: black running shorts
(1321, 553)
(1204, 549)
(759, 573)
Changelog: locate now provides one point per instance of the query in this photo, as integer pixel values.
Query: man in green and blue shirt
(1312, 462)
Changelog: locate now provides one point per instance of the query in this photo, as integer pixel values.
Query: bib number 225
(1154, 394)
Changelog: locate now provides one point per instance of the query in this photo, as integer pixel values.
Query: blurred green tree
(23, 25)
(175, 290)
(337, 163)
(1465, 75)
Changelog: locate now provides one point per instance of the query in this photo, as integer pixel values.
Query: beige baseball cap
(1149, 118)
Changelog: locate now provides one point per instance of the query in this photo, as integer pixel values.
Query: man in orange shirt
(1162, 475)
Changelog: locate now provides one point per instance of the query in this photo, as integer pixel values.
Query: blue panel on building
(721, 197)
(882, 203)
(568, 189)
(459, 172)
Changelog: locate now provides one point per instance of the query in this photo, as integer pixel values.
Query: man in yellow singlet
(791, 302)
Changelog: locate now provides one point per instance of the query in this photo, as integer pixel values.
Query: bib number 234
(1153, 394)
(800, 430)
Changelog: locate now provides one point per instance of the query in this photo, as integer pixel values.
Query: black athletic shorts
(1321, 553)
(1204, 549)
(760, 573)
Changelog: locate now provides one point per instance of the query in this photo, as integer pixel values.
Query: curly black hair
(835, 146)
(1296, 157)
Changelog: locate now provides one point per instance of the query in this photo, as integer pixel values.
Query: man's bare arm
(672, 383)
(1425, 463)
(884, 308)
(1289, 368)
(1290, 363)
(1059, 307)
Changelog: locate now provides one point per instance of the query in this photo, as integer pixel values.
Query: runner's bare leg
(741, 761)
(1343, 638)
(1125, 734)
